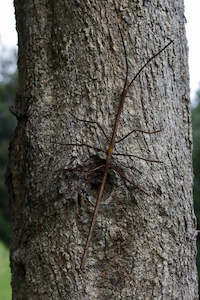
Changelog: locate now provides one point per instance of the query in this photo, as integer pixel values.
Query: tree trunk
(72, 65)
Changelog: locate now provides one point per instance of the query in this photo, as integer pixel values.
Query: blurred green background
(8, 87)
(5, 276)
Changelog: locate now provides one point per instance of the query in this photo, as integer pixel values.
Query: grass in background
(5, 275)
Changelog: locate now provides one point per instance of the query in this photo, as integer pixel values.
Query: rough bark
(71, 60)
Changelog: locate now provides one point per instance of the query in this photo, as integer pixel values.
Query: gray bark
(71, 60)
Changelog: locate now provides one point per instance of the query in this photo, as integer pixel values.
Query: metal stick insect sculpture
(112, 142)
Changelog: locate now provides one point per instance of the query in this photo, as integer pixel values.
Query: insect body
(113, 141)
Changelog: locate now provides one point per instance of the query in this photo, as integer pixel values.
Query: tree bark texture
(72, 64)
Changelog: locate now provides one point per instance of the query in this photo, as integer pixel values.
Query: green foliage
(8, 86)
(5, 275)
(196, 157)
(196, 168)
